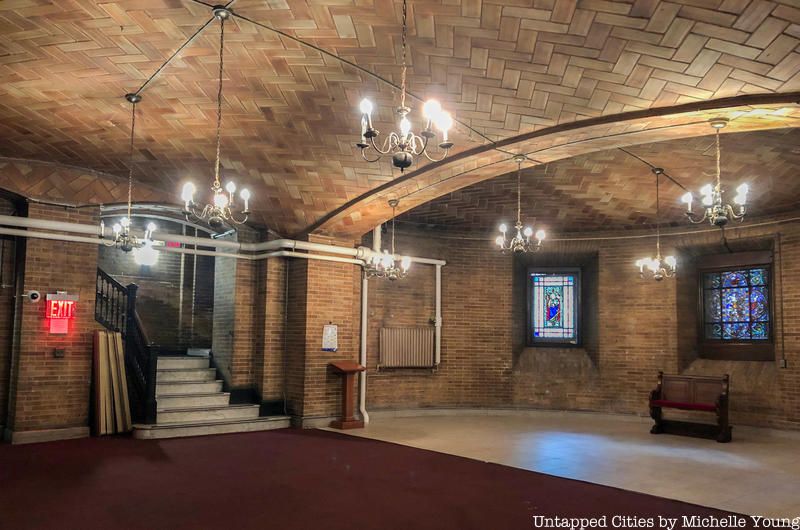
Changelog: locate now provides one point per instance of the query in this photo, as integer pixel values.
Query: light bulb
(230, 187)
(742, 189)
(146, 254)
(670, 260)
(653, 264)
(151, 227)
(687, 197)
(365, 106)
(386, 260)
(188, 192)
(540, 235)
(528, 232)
(707, 190)
(503, 228)
(405, 263)
(125, 222)
(431, 109)
(220, 200)
(245, 194)
(740, 199)
(499, 241)
(405, 127)
(444, 121)
(708, 200)
(117, 228)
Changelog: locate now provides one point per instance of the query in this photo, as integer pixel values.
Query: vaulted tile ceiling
(520, 76)
(616, 190)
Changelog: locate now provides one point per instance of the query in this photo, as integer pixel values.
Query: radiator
(406, 348)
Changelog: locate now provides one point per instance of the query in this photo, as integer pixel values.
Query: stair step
(169, 363)
(185, 374)
(188, 387)
(227, 412)
(175, 401)
(203, 428)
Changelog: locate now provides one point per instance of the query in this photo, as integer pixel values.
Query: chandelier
(386, 265)
(405, 145)
(521, 242)
(221, 208)
(124, 239)
(658, 268)
(714, 210)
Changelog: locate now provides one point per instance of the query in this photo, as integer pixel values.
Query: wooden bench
(691, 392)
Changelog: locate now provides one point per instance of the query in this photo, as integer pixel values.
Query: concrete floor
(757, 474)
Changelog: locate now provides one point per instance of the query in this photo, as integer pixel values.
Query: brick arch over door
(746, 113)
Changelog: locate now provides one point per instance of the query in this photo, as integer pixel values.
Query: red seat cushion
(684, 406)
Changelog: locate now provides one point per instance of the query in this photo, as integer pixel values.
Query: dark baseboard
(243, 395)
(249, 395)
(275, 407)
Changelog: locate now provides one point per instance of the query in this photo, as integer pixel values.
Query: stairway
(191, 403)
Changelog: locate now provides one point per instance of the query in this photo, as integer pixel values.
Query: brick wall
(475, 369)
(8, 248)
(269, 317)
(270, 335)
(236, 329)
(333, 292)
(632, 328)
(295, 351)
(175, 300)
(320, 293)
(48, 392)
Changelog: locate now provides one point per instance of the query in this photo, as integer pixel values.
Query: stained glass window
(554, 307)
(736, 305)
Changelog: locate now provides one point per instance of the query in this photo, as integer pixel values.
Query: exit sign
(60, 308)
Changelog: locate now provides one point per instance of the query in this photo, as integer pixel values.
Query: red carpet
(287, 479)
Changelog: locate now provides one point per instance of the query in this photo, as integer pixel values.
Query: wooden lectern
(348, 370)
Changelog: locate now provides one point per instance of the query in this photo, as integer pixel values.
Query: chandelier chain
(519, 193)
(719, 184)
(219, 99)
(403, 71)
(393, 217)
(130, 163)
(658, 218)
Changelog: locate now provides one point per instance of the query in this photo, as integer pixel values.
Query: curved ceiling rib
(748, 113)
(606, 191)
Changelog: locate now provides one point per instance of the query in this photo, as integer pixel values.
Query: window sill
(737, 352)
(572, 360)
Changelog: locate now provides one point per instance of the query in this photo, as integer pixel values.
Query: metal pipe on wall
(53, 237)
(13, 220)
(362, 360)
(437, 336)
(207, 242)
(376, 239)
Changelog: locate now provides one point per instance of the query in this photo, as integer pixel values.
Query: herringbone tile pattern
(439, 181)
(504, 68)
(612, 190)
(70, 186)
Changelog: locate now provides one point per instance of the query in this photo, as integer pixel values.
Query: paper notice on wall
(330, 339)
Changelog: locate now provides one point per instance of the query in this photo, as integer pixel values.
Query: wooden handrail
(115, 309)
(142, 329)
